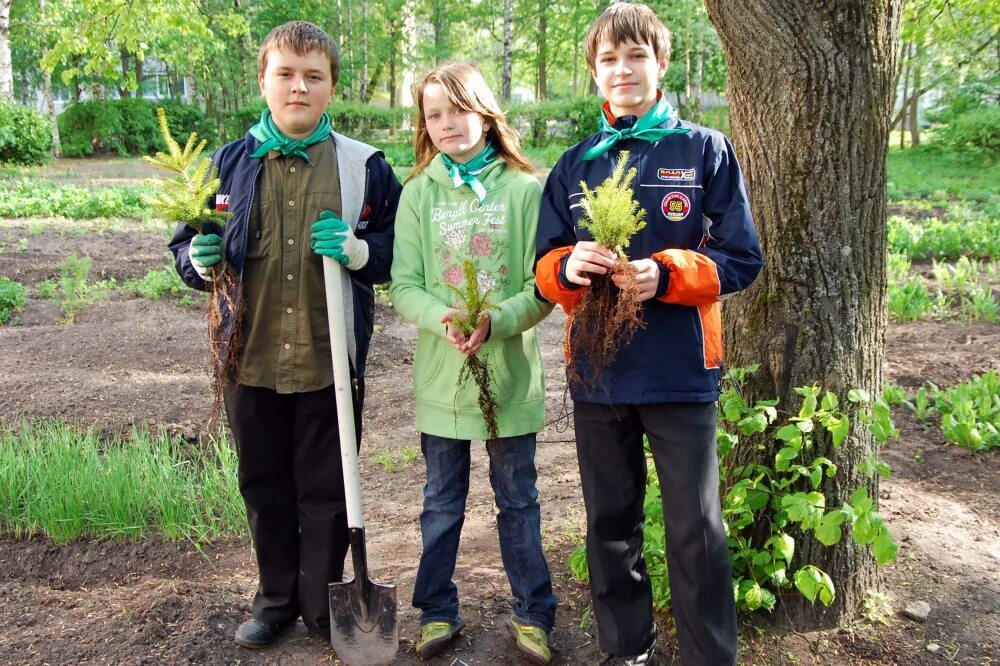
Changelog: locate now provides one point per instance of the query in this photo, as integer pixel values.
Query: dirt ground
(130, 360)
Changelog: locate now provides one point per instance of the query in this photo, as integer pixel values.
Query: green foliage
(767, 503)
(393, 460)
(933, 176)
(561, 122)
(12, 297)
(158, 283)
(185, 197)
(125, 126)
(970, 412)
(911, 300)
(470, 299)
(33, 197)
(975, 132)
(73, 290)
(963, 236)
(613, 214)
(877, 607)
(25, 135)
(964, 287)
(71, 484)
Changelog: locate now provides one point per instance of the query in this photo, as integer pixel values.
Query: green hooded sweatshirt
(437, 229)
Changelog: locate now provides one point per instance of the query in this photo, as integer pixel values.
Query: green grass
(393, 460)
(70, 483)
(922, 173)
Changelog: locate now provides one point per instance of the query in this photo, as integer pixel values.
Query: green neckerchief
(646, 128)
(466, 173)
(271, 138)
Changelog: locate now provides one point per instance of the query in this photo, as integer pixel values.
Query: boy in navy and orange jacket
(699, 245)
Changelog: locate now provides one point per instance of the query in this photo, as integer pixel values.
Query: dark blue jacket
(370, 193)
(700, 230)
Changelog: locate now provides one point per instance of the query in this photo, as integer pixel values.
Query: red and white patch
(676, 206)
(675, 174)
(221, 202)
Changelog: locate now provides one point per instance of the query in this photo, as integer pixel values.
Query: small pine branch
(184, 197)
(613, 215)
(470, 299)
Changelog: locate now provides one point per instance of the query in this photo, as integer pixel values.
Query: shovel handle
(334, 275)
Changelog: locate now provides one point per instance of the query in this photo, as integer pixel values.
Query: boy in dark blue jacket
(699, 245)
(296, 190)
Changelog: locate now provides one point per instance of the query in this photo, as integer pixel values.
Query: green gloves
(334, 238)
(206, 252)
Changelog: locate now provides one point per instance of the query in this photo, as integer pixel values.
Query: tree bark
(915, 100)
(363, 76)
(50, 104)
(811, 91)
(906, 58)
(508, 50)
(699, 68)
(542, 88)
(6, 64)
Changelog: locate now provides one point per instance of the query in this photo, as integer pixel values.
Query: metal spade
(363, 627)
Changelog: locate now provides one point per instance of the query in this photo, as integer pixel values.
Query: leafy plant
(911, 300)
(25, 135)
(767, 503)
(393, 460)
(970, 412)
(605, 316)
(474, 303)
(73, 289)
(32, 197)
(12, 297)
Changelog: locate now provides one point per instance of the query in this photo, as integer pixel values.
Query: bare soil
(129, 360)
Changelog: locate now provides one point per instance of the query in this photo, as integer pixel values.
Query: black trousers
(613, 474)
(293, 485)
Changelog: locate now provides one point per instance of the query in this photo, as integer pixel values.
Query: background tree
(811, 91)
(6, 68)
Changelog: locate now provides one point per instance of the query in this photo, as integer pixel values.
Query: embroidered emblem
(363, 218)
(221, 202)
(676, 174)
(676, 206)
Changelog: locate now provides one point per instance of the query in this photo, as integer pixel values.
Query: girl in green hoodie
(472, 196)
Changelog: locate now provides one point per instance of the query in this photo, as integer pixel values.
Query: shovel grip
(334, 276)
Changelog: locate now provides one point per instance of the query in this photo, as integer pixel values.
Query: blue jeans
(512, 475)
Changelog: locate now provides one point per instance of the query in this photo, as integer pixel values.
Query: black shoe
(643, 659)
(256, 634)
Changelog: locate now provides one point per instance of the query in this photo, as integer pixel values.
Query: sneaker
(435, 636)
(531, 641)
(644, 659)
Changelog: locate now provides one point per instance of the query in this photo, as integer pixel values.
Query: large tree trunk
(6, 65)
(811, 90)
(363, 76)
(508, 50)
(915, 100)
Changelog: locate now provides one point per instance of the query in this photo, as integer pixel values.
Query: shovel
(363, 628)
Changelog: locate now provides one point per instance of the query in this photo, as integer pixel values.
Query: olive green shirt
(286, 337)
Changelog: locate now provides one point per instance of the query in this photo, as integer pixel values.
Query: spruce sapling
(606, 316)
(475, 303)
(184, 199)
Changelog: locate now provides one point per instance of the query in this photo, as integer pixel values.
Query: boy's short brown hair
(299, 37)
(627, 22)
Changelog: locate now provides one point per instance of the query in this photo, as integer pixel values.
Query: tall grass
(71, 483)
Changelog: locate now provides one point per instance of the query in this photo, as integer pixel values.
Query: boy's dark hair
(627, 22)
(299, 37)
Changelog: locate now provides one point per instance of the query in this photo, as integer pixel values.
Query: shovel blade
(363, 627)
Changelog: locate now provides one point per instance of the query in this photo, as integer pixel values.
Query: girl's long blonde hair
(466, 88)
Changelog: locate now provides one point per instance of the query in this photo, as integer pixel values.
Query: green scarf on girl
(271, 138)
(466, 173)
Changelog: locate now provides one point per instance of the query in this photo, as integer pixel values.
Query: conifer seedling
(606, 317)
(185, 199)
(475, 302)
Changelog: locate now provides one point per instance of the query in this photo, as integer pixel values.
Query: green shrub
(25, 135)
(976, 132)
(127, 126)
(11, 299)
(766, 503)
(41, 198)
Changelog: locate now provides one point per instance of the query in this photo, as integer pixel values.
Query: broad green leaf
(732, 406)
(841, 430)
(814, 584)
(808, 407)
(754, 597)
(859, 395)
(784, 546)
(884, 547)
(828, 532)
(753, 424)
(830, 402)
(789, 433)
(783, 457)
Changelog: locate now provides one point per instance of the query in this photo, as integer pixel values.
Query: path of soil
(130, 360)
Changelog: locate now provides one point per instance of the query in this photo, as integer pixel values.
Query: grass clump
(12, 297)
(606, 317)
(475, 302)
(69, 483)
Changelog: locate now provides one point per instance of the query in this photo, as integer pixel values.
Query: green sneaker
(531, 641)
(435, 636)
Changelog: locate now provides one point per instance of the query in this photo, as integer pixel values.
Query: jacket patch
(676, 206)
(366, 213)
(676, 174)
(221, 202)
